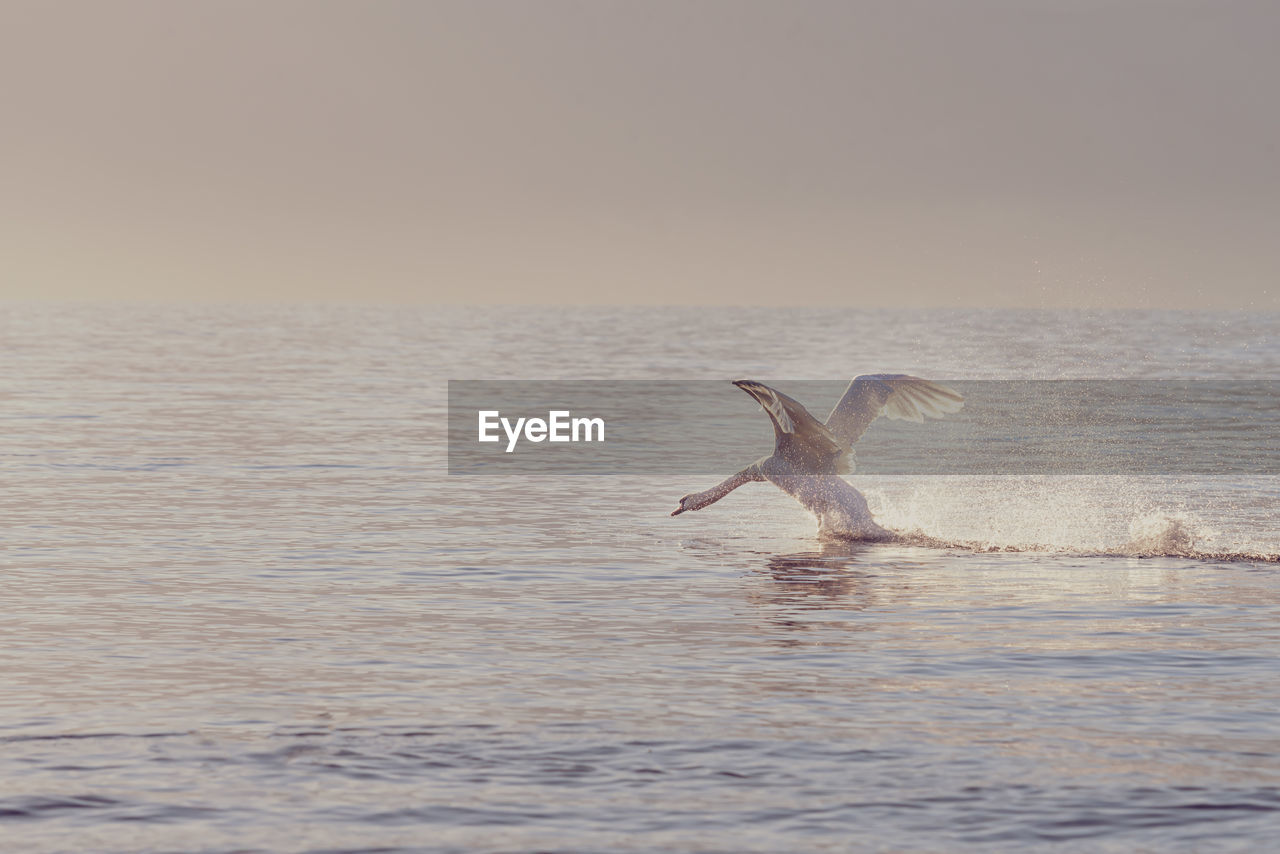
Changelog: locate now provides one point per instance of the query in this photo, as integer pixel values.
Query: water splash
(1159, 533)
(1088, 516)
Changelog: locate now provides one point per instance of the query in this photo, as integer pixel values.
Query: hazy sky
(908, 152)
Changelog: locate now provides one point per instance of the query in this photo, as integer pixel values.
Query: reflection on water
(832, 577)
(246, 607)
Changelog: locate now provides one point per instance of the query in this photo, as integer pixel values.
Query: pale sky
(899, 153)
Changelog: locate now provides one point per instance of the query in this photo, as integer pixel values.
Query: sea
(247, 608)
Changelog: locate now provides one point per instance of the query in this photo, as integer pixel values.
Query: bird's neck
(715, 493)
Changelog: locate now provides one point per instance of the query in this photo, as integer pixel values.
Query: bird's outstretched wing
(892, 395)
(798, 436)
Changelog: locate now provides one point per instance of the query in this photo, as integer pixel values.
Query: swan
(809, 456)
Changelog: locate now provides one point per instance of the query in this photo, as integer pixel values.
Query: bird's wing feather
(792, 423)
(892, 395)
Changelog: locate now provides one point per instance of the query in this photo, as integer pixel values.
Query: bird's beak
(677, 511)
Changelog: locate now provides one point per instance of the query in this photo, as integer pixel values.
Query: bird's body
(840, 509)
(809, 456)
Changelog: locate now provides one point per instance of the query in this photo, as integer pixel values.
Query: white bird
(809, 457)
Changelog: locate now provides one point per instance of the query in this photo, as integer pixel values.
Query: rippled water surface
(247, 610)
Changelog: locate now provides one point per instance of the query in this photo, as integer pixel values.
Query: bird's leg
(698, 500)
